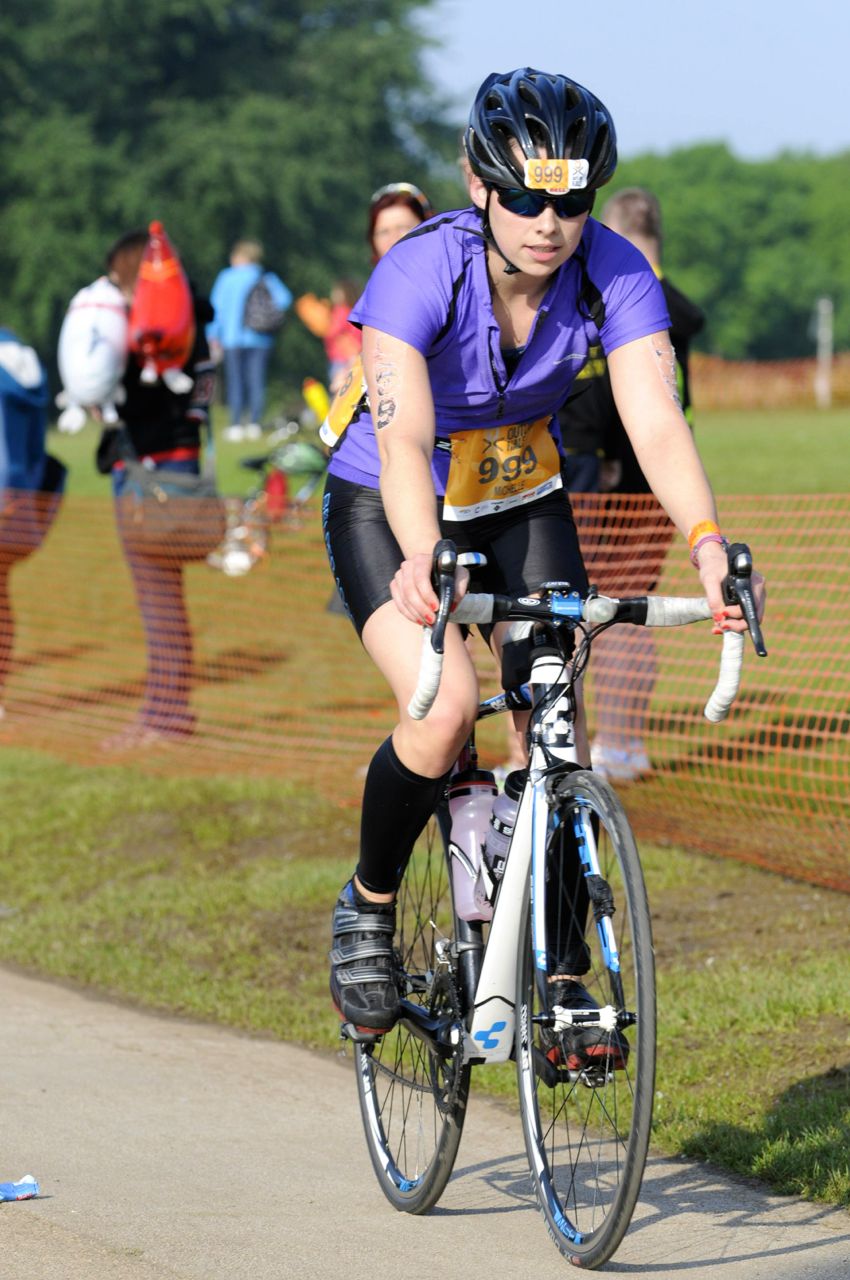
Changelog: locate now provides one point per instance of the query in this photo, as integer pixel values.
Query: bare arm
(403, 413)
(643, 379)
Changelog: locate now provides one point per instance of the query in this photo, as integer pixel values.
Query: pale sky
(764, 76)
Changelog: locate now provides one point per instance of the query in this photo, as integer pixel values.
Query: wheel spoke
(586, 1112)
(413, 1099)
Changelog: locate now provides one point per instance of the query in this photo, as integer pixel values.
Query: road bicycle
(477, 992)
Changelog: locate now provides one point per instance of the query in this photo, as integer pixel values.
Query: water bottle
(471, 796)
(502, 821)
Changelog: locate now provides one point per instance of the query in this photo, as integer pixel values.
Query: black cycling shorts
(525, 546)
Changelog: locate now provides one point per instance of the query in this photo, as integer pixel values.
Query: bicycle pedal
(358, 1035)
(547, 1070)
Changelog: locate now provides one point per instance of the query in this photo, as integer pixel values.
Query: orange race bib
(344, 404)
(500, 467)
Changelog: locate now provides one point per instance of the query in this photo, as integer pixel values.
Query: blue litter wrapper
(26, 1188)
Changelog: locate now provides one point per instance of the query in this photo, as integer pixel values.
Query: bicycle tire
(412, 1097)
(587, 1129)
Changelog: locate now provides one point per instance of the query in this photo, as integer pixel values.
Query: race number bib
(500, 467)
(344, 404)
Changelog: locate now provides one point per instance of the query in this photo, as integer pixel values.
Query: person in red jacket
(327, 318)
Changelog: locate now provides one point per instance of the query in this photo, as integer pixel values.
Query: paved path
(168, 1150)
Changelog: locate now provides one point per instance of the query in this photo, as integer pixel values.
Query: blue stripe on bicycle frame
(590, 861)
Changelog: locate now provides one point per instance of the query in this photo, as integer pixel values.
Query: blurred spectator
(624, 550)
(245, 351)
(327, 318)
(31, 481)
(393, 211)
(164, 429)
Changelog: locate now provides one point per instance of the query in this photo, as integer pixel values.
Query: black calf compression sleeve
(396, 805)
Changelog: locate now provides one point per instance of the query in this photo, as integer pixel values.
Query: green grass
(213, 900)
(776, 450)
(78, 453)
(759, 451)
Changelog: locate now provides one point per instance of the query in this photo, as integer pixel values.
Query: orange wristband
(700, 530)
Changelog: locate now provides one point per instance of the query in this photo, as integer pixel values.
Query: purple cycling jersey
(432, 291)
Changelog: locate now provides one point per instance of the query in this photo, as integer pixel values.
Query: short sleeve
(633, 297)
(406, 296)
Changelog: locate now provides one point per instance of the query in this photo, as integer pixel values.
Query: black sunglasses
(530, 204)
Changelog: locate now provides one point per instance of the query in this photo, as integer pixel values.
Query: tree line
(276, 119)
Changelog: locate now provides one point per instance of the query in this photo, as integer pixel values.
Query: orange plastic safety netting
(278, 684)
(766, 384)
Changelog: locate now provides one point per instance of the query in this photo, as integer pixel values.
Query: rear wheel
(412, 1082)
(586, 1095)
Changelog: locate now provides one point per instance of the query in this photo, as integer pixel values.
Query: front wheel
(586, 1089)
(413, 1083)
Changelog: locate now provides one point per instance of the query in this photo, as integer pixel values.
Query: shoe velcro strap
(357, 977)
(351, 921)
(362, 949)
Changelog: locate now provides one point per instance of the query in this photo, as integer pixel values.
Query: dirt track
(168, 1150)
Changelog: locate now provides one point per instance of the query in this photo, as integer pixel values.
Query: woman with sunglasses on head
(474, 329)
(394, 210)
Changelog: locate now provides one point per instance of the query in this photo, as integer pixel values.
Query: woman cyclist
(474, 328)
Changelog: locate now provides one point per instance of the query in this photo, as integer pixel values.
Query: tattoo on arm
(386, 379)
(666, 361)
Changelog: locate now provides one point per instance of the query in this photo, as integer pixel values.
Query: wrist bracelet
(707, 537)
(698, 530)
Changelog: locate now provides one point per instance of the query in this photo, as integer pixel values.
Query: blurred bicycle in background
(292, 464)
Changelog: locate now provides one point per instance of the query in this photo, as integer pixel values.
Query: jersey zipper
(501, 387)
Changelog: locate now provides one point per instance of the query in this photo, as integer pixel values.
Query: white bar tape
(726, 690)
(676, 611)
(430, 670)
(475, 607)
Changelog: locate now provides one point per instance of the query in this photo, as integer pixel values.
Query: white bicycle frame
(491, 1035)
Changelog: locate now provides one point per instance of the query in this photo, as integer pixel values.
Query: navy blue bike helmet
(538, 110)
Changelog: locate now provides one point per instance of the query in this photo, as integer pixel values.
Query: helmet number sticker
(556, 176)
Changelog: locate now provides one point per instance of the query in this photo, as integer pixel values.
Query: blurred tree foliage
(278, 118)
(756, 243)
(224, 118)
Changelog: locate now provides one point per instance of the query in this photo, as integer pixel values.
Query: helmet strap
(510, 269)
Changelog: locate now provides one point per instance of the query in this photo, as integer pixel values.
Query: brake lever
(443, 577)
(738, 589)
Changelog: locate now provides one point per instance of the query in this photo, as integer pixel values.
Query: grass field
(792, 451)
(211, 898)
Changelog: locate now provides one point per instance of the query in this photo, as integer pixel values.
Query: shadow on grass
(238, 664)
(59, 653)
(803, 1146)
(809, 732)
